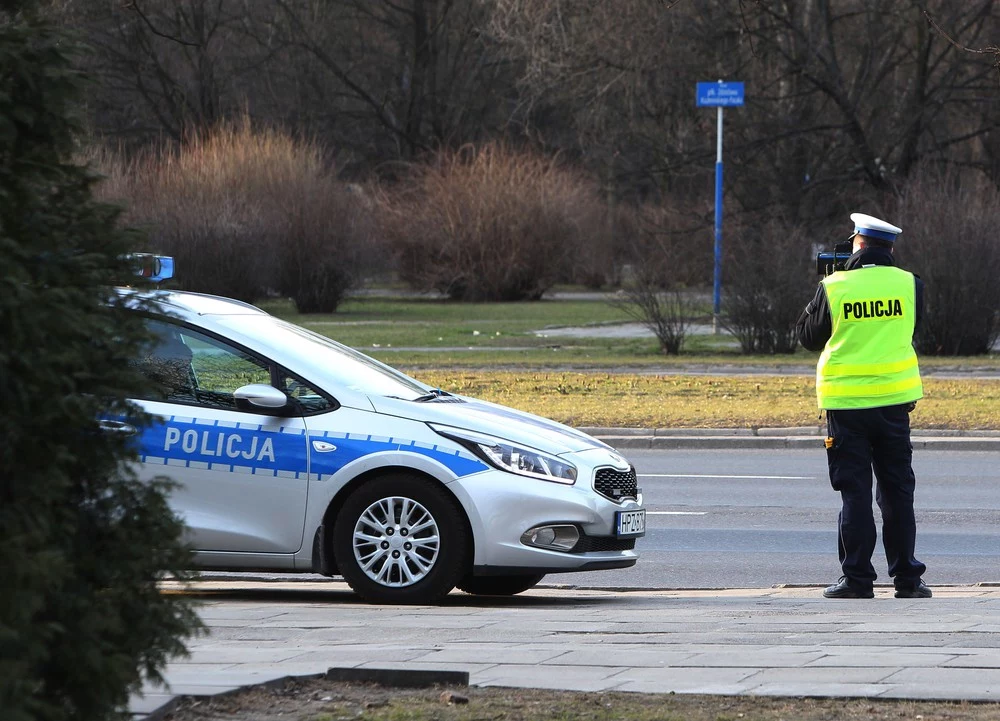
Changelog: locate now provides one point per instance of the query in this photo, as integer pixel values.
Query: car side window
(189, 367)
(310, 400)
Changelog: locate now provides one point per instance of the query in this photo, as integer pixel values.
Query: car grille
(616, 485)
(591, 544)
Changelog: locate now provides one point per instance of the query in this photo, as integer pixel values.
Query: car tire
(401, 539)
(499, 585)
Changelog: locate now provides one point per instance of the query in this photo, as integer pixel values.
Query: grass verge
(502, 353)
(376, 323)
(624, 400)
(439, 327)
(442, 334)
(637, 354)
(321, 700)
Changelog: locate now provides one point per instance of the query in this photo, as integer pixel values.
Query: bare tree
(165, 67)
(413, 74)
(871, 86)
(376, 80)
(950, 241)
(615, 79)
(843, 97)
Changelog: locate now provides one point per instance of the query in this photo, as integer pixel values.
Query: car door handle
(124, 429)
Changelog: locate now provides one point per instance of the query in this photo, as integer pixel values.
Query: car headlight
(512, 457)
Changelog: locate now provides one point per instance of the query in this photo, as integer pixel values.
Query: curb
(399, 678)
(292, 579)
(799, 438)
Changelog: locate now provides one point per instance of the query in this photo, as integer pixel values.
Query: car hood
(492, 419)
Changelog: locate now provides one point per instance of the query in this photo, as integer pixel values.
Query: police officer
(867, 380)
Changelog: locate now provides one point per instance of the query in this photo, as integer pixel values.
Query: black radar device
(827, 263)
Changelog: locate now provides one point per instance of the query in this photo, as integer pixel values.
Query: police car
(296, 453)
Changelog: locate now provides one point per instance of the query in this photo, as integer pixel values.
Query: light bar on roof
(154, 267)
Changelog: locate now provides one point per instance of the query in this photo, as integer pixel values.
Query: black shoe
(921, 590)
(842, 589)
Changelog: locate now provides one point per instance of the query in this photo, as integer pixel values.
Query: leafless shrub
(656, 290)
(664, 312)
(247, 212)
(490, 223)
(329, 244)
(768, 280)
(949, 239)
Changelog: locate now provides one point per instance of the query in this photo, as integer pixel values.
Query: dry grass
(693, 401)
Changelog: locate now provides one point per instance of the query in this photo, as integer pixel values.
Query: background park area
(473, 157)
(581, 359)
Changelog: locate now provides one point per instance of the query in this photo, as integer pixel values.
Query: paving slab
(638, 656)
(821, 676)
(888, 658)
(479, 669)
(725, 681)
(572, 678)
(986, 658)
(835, 689)
(142, 704)
(768, 641)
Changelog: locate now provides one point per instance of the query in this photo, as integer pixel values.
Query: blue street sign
(720, 95)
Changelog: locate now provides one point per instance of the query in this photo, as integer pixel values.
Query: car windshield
(345, 366)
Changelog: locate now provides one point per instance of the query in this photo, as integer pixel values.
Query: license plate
(630, 524)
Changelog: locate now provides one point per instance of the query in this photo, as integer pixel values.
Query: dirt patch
(324, 700)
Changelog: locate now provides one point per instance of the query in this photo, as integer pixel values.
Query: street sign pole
(718, 95)
(717, 284)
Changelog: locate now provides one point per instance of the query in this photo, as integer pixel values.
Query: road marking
(702, 475)
(676, 513)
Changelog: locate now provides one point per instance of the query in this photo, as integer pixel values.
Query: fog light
(559, 538)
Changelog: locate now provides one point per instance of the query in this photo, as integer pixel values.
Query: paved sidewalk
(776, 641)
(806, 437)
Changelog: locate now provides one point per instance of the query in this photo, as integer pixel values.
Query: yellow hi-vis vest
(869, 361)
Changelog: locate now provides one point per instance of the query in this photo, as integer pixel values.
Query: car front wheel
(401, 539)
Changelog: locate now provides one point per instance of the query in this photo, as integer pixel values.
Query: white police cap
(874, 228)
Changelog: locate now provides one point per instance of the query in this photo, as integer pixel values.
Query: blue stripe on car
(250, 448)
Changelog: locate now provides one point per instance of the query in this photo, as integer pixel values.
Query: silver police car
(296, 453)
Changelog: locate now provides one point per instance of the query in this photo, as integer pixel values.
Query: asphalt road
(752, 519)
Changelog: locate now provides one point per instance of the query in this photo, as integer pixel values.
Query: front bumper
(502, 506)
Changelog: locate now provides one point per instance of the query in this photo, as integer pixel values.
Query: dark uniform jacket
(815, 326)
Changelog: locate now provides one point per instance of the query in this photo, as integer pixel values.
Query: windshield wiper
(431, 395)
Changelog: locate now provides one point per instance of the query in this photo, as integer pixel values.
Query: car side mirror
(258, 396)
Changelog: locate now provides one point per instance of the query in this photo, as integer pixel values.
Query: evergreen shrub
(82, 543)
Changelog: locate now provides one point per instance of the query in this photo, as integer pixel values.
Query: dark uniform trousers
(864, 439)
